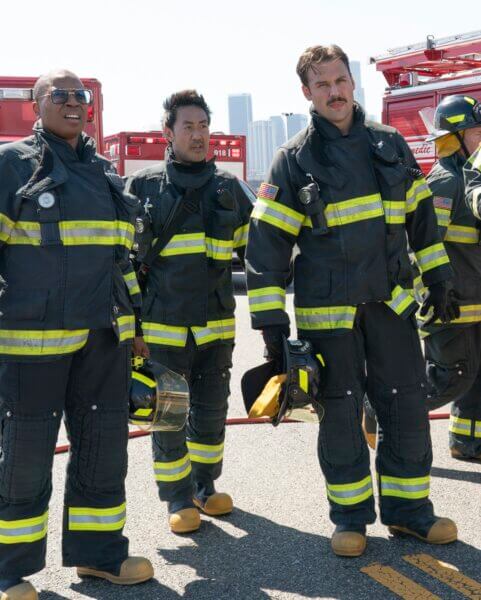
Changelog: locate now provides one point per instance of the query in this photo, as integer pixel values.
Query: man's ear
(169, 134)
(36, 108)
(307, 92)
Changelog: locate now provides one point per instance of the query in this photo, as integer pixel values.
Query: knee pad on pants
(26, 457)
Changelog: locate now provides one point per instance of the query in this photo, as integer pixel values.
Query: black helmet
(159, 398)
(454, 114)
(289, 390)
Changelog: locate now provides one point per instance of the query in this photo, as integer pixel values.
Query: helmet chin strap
(463, 145)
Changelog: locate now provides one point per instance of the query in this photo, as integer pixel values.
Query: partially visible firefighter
(453, 350)
(194, 216)
(348, 191)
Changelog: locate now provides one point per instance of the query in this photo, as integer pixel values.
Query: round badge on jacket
(46, 200)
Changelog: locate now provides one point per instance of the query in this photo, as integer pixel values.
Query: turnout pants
(380, 355)
(190, 460)
(453, 358)
(91, 388)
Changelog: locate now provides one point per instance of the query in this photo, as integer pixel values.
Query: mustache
(336, 99)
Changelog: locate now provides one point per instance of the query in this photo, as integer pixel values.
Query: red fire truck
(421, 75)
(17, 116)
(133, 150)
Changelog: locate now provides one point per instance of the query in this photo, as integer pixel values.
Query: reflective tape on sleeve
(205, 453)
(402, 301)
(432, 257)
(325, 317)
(477, 429)
(24, 531)
(185, 243)
(174, 470)
(96, 519)
(126, 325)
(25, 233)
(278, 215)
(443, 216)
(240, 236)
(460, 234)
(348, 494)
(41, 343)
(268, 298)
(410, 488)
(222, 329)
(394, 211)
(167, 335)
(132, 283)
(219, 249)
(6, 226)
(418, 191)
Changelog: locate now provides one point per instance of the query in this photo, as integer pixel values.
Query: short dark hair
(317, 54)
(183, 98)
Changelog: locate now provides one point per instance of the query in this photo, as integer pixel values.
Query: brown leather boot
(348, 543)
(217, 504)
(442, 531)
(455, 453)
(134, 569)
(21, 591)
(185, 520)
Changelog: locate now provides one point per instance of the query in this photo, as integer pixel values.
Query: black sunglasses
(61, 96)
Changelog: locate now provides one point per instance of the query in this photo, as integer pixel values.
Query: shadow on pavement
(103, 590)
(51, 596)
(471, 476)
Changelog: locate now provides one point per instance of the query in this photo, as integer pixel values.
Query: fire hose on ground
(238, 421)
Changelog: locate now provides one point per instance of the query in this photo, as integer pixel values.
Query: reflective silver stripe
(173, 335)
(22, 530)
(174, 471)
(460, 234)
(325, 318)
(354, 210)
(404, 487)
(44, 342)
(278, 215)
(350, 493)
(266, 298)
(401, 301)
(224, 329)
(97, 518)
(126, 325)
(26, 232)
(219, 249)
(205, 453)
(183, 243)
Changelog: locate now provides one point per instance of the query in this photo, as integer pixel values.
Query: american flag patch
(440, 202)
(267, 191)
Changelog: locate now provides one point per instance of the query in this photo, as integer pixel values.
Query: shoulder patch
(441, 202)
(267, 191)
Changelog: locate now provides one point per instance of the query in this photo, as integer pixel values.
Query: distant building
(359, 90)
(278, 131)
(260, 149)
(240, 113)
(295, 122)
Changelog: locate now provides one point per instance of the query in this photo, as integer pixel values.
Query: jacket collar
(184, 179)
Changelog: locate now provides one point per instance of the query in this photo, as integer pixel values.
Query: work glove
(274, 340)
(443, 302)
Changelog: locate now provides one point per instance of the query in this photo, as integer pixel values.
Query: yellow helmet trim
(143, 379)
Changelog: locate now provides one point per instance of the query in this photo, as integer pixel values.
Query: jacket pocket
(23, 305)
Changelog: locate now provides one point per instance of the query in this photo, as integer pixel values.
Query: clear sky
(142, 50)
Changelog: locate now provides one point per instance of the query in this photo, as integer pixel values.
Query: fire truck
(419, 77)
(17, 116)
(133, 150)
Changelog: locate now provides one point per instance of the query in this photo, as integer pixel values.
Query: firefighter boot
(348, 541)
(134, 569)
(20, 591)
(184, 520)
(441, 531)
(211, 502)
(456, 453)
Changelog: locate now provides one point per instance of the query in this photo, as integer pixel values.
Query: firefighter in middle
(348, 192)
(194, 216)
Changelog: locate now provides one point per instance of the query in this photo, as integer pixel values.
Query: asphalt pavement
(276, 543)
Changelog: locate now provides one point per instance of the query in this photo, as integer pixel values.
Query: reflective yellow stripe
(325, 317)
(351, 211)
(350, 493)
(25, 233)
(477, 429)
(321, 359)
(143, 379)
(184, 243)
(103, 233)
(126, 325)
(401, 300)
(460, 426)
(39, 343)
(268, 298)
(132, 284)
(6, 226)
(168, 335)
(411, 488)
(174, 470)
(432, 257)
(456, 118)
(278, 215)
(418, 191)
(24, 531)
(240, 236)
(96, 519)
(222, 329)
(205, 453)
(462, 235)
(303, 380)
(143, 412)
(443, 216)
(219, 249)
(394, 211)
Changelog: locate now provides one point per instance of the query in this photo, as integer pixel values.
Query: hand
(274, 340)
(444, 304)
(140, 348)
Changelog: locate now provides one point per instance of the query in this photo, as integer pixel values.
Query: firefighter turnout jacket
(189, 285)
(374, 201)
(66, 229)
